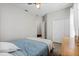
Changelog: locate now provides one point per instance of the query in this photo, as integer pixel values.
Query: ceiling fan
(38, 5)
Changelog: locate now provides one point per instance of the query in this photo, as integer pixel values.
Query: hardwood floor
(70, 47)
(77, 46)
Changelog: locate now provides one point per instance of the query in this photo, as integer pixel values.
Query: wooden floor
(70, 47)
(77, 47)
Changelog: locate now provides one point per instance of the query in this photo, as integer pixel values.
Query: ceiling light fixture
(38, 5)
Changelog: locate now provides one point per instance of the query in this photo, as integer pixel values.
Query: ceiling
(44, 9)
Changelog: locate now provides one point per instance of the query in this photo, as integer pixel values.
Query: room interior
(44, 29)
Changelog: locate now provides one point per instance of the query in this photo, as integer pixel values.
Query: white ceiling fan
(38, 5)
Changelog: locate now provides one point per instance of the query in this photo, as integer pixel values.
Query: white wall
(15, 23)
(58, 25)
(78, 19)
(0, 21)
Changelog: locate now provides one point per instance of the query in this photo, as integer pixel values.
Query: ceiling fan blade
(29, 3)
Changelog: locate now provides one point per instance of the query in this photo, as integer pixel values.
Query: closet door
(60, 29)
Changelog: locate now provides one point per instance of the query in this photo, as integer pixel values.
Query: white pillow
(8, 47)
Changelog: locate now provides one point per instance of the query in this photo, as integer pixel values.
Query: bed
(32, 47)
(48, 42)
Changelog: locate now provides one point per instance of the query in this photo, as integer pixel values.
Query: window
(72, 28)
